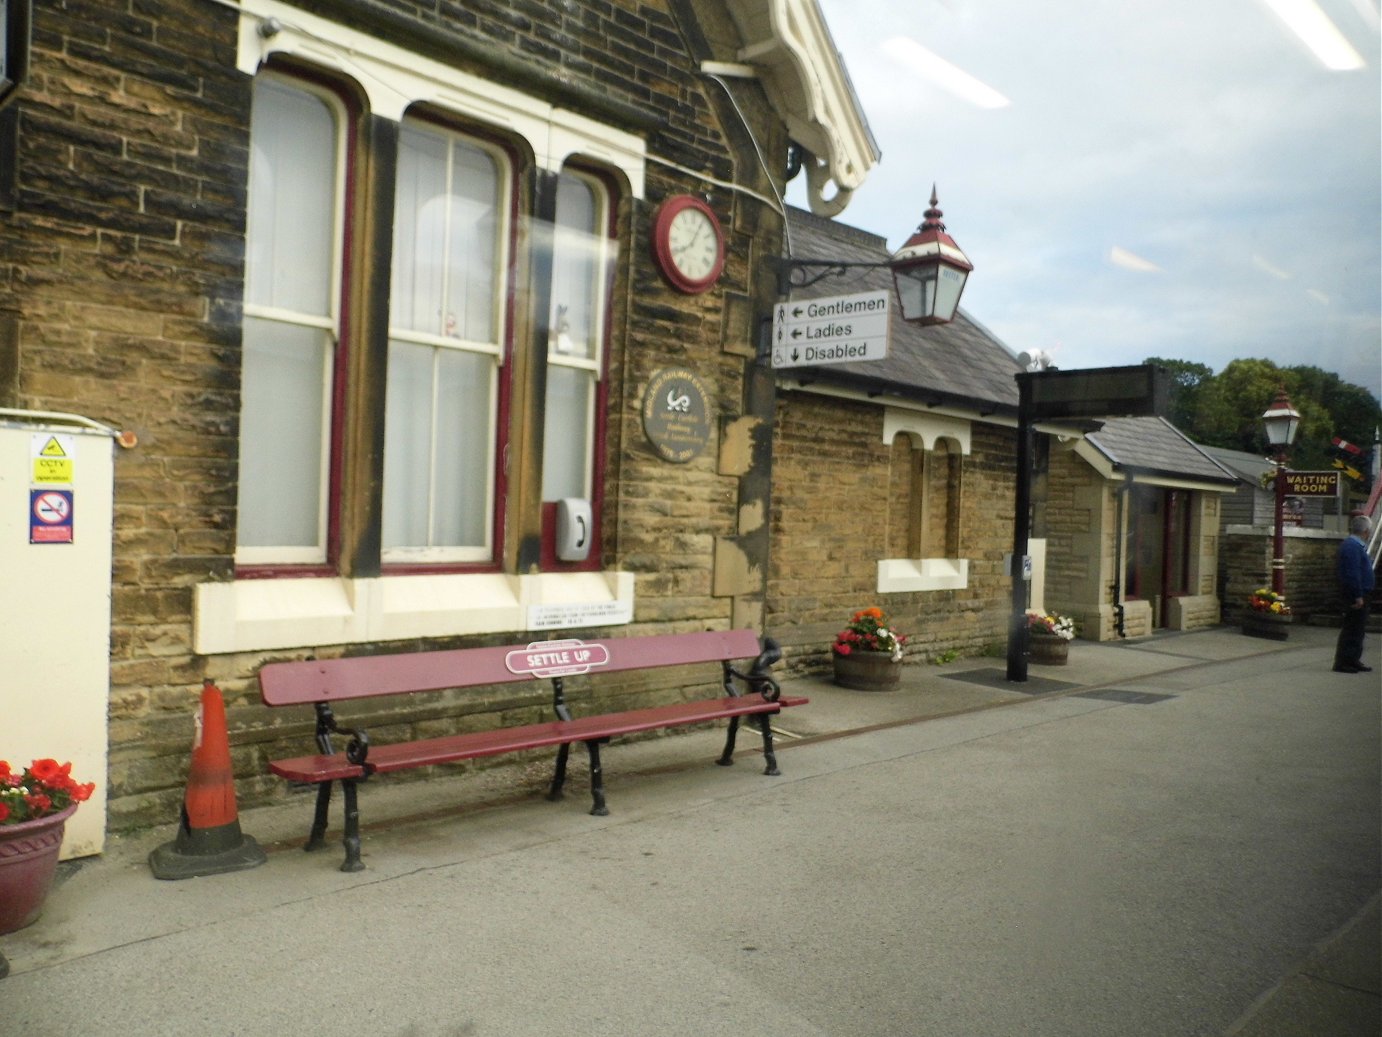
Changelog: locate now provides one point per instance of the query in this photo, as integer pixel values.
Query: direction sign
(835, 330)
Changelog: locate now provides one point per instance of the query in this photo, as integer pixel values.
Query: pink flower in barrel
(868, 631)
(42, 788)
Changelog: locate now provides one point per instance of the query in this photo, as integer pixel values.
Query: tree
(1225, 410)
(1188, 380)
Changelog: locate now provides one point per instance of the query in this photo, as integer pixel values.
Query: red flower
(46, 770)
(44, 787)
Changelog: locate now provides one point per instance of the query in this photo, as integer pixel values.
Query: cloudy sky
(1176, 178)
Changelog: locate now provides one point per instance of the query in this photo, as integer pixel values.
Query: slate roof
(958, 364)
(1250, 468)
(1153, 446)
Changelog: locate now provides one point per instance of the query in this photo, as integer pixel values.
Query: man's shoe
(1345, 669)
(1361, 668)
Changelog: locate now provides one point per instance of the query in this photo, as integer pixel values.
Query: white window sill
(900, 575)
(261, 615)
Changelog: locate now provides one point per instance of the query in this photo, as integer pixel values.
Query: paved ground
(1173, 836)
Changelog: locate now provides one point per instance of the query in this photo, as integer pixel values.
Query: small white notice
(571, 615)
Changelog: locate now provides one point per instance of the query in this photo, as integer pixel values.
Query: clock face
(687, 243)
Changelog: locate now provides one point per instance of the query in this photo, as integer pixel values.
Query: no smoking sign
(50, 516)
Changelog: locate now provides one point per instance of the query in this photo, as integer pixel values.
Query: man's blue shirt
(1355, 570)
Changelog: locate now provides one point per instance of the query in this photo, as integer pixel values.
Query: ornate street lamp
(1280, 421)
(929, 271)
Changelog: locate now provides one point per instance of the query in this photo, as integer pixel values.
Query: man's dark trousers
(1349, 651)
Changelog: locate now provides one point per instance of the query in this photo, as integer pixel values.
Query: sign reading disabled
(557, 658)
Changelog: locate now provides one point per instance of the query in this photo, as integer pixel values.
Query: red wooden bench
(324, 683)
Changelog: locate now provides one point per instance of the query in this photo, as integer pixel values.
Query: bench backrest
(367, 676)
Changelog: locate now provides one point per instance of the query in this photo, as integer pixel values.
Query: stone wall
(830, 526)
(1311, 587)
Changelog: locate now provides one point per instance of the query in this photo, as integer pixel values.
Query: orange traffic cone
(209, 840)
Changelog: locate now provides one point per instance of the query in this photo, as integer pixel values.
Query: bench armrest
(356, 750)
(758, 679)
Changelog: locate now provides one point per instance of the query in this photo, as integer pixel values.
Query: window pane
(437, 459)
(474, 243)
(282, 434)
(577, 258)
(566, 454)
(419, 233)
(408, 445)
(446, 223)
(289, 253)
(461, 505)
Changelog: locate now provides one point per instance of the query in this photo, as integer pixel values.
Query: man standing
(1355, 587)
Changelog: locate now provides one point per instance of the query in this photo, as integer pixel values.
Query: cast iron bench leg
(352, 828)
(316, 838)
(727, 757)
(597, 780)
(765, 720)
(559, 777)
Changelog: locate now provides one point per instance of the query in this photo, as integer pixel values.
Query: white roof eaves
(789, 44)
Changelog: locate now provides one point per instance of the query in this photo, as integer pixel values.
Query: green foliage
(1225, 409)
(1188, 380)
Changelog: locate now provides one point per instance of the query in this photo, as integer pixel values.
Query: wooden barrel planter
(1047, 649)
(867, 671)
(1271, 625)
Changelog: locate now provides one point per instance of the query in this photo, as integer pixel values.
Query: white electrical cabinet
(56, 520)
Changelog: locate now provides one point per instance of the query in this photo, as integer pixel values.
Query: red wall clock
(688, 244)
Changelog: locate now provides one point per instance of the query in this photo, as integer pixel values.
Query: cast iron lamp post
(929, 271)
(1280, 421)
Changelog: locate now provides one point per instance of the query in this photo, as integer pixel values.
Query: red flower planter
(28, 862)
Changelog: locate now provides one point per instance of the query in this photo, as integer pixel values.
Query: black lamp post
(1281, 421)
(929, 271)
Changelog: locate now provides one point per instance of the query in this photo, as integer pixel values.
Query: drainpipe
(1121, 496)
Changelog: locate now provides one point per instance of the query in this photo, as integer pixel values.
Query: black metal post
(1017, 622)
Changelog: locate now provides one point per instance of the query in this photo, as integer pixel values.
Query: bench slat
(332, 680)
(452, 748)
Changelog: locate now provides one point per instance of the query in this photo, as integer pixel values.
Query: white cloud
(1268, 267)
(1121, 257)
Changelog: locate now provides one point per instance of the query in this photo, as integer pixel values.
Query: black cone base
(206, 851)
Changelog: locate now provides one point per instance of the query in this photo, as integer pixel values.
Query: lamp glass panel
(1281, 427)
(916, 290)
(950, 283)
